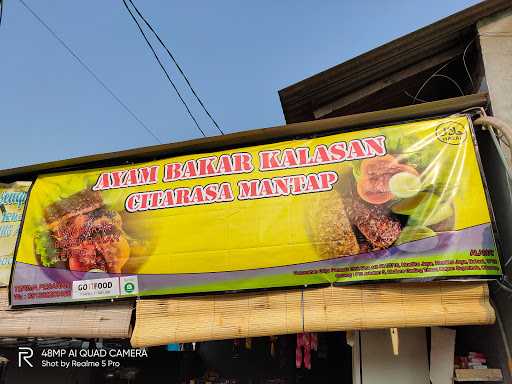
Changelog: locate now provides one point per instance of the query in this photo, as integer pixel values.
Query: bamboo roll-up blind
(109, 320)
(214, 317)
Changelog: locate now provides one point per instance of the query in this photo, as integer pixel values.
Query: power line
(177, 66)
(1, 10)
(163, 68)
(430, 78)
(466, 67)
(453, 82)
(90, 71)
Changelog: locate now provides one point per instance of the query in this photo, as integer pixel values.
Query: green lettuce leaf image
(45, 248)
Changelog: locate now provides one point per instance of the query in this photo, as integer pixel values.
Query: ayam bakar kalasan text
(239, 163)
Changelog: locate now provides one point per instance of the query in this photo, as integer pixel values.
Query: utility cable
(490, 123)
(503, 128)
(90, 71)
(453, 82)
(177, 66)
(429, 78)
(163, 68)
(415, 99)
(1, 10)
(466, 66)
(436, 74)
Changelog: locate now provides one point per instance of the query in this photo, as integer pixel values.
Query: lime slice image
(404, 184)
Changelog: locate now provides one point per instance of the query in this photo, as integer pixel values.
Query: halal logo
(129, 287)
(452, 133)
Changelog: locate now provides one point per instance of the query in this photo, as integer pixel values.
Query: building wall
(495, 38)
(380, 366)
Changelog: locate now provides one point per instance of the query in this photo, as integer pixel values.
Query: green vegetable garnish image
(410, 205)
(413, 233)
(45, 248)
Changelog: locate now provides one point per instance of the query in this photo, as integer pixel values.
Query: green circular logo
(129, 287)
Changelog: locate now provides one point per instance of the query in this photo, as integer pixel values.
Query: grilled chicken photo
(86, 234)
(379, 228)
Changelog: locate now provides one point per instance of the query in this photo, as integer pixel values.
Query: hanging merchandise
(173, 347)
(314, 341)
(305, 343)
(236, 348)
(273, 341)
(307, 350)
(298, 350)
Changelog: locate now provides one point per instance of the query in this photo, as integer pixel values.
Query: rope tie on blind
(302, 308)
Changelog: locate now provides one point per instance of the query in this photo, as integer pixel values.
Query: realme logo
(25, 353)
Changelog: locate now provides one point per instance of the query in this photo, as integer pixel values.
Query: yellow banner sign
(398, 202)
(12, 203)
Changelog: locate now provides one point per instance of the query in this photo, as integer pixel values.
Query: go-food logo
(25, 354)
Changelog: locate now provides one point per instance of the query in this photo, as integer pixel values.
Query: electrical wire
(436, 74)
(504, 283)
(163, 68)
(412, 97)
(492, 123)
(177, 65)
(453, 82)
(503, 140)
(465, 65)
(503, 129)
(430, 78)
(503, 334)
(1, 11)
(89, 70)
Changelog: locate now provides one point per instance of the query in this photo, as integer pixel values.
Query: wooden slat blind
(109, 320)
(213, 317)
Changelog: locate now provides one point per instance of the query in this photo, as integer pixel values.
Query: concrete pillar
(495, 37)
(495, 34)
(376, 363)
